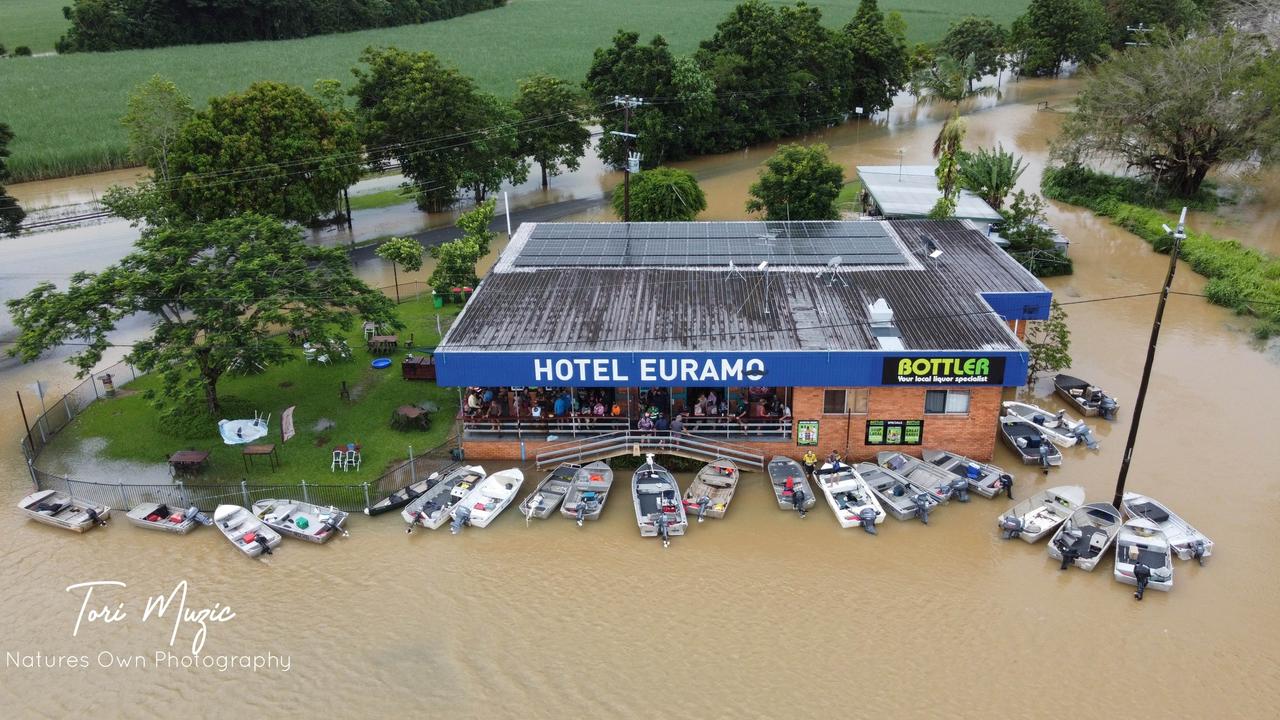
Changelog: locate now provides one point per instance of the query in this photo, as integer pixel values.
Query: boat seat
(1150, 512)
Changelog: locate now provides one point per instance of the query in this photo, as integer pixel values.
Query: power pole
(627, 103)
(1178, 234)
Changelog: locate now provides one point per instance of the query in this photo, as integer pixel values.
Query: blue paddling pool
(381, 363)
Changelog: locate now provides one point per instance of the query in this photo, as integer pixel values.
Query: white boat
(546, 498)
(301, 520)
(1085, 536)
(849, 496)
(432, 508)
(712, 489)
(1040, 514)
(934, 480)
(1061, 429)
(56, 508)
(1029, 442)
(585, 499)
(486, 500)
(1186, 542)
(1087, 399)
(159, 516)
(1140, 541)
(899, 497)
(249, 534)
(659, 512)
(790, 486)
(983, 478)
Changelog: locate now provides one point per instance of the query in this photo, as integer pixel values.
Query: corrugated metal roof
(936, 302)
(912, 191)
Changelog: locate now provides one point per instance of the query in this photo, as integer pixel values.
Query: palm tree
(947, 150)
(947, 80)
(990, 173)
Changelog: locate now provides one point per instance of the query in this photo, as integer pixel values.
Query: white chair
(352, 460)
(338, 459)
(322, 359)
(309, 354)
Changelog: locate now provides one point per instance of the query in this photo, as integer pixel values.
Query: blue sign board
(726, 369)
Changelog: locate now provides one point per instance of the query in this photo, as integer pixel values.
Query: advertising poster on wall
(895, 432)
(807, 432)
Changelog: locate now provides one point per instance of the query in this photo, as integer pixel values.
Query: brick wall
(972, 434)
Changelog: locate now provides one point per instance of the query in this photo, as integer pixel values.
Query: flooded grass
(65, 110)
(126, 432)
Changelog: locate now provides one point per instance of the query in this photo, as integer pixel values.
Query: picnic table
(188, 461)
(383, 343)
(408, 416)
(252, 451)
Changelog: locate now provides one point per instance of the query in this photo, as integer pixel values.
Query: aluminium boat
(1037, 516)
(1084, 537)
(656, 496)
(983, 478)
(1140, 542)
(850, 497)
(547, 496)
(933, 479)
(406, 494)
(301, 520)
(790, 486)
(899, 497)
(1061, 429)
(159, 516)
(1028, 441)
(1185, 541)
(712, 489)
(432, 508)
(586, 497)
(249, 534)
(1087, 399)
(56, 508)
(486, 500)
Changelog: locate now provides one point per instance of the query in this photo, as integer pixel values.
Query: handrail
(623, 442)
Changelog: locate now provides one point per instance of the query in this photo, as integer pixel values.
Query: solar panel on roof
(707, 244)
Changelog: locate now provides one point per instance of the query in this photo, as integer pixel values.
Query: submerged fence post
(244, 489)
(413, 469)
(305, 498)
(67, 406)
(182, 493)
(124, 500)
(367, 504)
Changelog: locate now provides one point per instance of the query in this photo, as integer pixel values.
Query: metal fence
(61, 412)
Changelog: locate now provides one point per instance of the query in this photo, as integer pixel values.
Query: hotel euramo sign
(729, 369)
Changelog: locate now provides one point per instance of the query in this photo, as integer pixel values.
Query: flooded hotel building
(771, 338)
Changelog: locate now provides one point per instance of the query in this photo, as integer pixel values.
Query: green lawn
(380, 199)
(133, 431)
(35, 23)
(847, 200)
(65, 110)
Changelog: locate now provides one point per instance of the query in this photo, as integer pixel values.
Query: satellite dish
(764, 265)
(834, 262)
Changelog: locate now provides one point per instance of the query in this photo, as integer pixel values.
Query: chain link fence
(60, 413)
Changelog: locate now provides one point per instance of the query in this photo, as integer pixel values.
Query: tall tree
(11, 214)
(216, 292)
(798, 183)
(980, 37)
(491, 155)
(1050, 343)
(404, 252)
(991, 174)
(947, 81)
(627, 67)
(419, 112)
(1053, 32)
(947, 148)
(1175, 112)
(272, 149)
(476, 225)
(157, 110)
(551, 124)
(662, 194)
(778, 71)
(881, 62)
(455, 266)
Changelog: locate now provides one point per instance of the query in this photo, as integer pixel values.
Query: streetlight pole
(1179, 234)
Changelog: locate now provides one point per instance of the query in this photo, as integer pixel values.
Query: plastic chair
(352, 460)
(338, 459)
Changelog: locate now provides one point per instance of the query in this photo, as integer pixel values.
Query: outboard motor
(331, 521)
(1142, 574)
(1083, 433)
(867, 516)
(461, 518)
(1010, 527)
(798, 501)
(94, 517)
(581, 511)
(664, 531)
(703, 503)
(193, 513)
(1068, 548)
(266, 548)
(1107, 407)
(1006, 484)
(1044, 455)
(534, 505)
(960, 489)
(1197, 551)
(922, 507)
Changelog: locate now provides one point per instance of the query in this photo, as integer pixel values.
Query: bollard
(244, 489)
(305, 498)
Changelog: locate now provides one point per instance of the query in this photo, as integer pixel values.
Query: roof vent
(880, 312)
(882, 327)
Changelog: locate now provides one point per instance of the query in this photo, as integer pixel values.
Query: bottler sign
(943, 371)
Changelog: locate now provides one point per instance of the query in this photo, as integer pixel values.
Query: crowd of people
(654, 410)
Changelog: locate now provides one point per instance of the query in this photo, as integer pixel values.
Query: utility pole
(1140, 35)
(627, 103)
(1179, 234)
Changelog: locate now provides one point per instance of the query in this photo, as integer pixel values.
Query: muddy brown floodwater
(761, 614)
